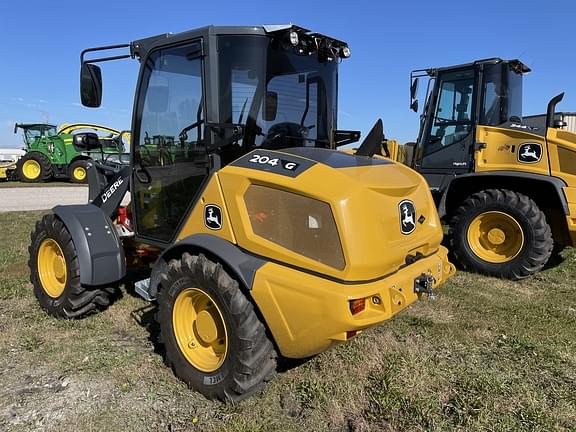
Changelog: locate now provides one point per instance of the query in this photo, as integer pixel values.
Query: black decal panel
(274, 162)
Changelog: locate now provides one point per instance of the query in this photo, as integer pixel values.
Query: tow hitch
(423, 285)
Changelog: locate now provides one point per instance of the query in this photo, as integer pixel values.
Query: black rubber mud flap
(99, 249)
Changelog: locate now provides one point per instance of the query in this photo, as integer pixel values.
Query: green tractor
(52, 153)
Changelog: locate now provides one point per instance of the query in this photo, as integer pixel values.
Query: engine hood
(383, 211)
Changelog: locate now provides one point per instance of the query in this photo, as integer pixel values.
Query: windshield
(283, 99)
(502, 95)
(36, 132)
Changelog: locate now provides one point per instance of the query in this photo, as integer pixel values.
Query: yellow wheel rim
(199, 330)
(79, 173)
(495, 237)
(52, 268)
(31, 169)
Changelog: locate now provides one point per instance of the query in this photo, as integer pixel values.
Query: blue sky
(39, 64)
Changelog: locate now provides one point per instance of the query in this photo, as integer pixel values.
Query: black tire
(535, 250)
(79, 164)
(75, 300)
(46, 169)
(250, 358)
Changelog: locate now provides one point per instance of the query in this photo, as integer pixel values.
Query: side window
(452, 119)
(170, 147)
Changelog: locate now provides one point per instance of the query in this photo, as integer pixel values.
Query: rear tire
(502, 233)
(34, 167)
(231, 357)
(78, 171)
(55, 273)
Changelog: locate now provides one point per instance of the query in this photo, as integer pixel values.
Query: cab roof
(140, 47)
(516, 65)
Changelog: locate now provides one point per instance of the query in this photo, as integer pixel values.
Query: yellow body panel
(307, 314)
(558, 159)
(364, 202)
(212, 194)
(304, 300)
(501, 150)
(562, 150)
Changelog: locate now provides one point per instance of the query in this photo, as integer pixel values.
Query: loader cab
(206, 97)
(458, 99)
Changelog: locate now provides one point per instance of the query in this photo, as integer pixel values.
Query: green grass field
(487, 355)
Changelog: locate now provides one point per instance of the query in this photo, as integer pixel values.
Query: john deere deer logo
(213, 217)
(529, 153)
(407, 216)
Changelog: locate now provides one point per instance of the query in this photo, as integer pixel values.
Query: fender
(241, 263)
(555, 182)
(98, 247)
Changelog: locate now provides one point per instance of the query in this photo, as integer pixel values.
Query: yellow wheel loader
(506, 189)
(256, 237)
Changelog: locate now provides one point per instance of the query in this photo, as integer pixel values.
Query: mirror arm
(343, 137)
(219, 129)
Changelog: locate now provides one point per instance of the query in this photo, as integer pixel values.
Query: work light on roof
(294, 38)
(345, 52)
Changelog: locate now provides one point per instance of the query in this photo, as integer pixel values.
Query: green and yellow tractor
(52, 154)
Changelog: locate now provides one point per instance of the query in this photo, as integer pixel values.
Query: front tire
(34, 167)
(78, 171)
(55, 273)
(213, 337)
(501, 233)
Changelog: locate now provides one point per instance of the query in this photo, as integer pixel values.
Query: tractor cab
(458, 99)
(208, 96)
(35, 131)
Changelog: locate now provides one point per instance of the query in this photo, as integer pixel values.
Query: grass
(487, 355)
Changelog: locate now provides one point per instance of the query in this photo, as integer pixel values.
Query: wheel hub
(79, 173)
(199, 329)
(31, 169)
(495, 237)
(206, 327)
(52, 268)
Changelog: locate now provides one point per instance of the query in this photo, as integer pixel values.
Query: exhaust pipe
(552, 109)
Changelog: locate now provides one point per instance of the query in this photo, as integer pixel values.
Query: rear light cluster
(357, 305)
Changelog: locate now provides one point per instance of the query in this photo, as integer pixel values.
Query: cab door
(445, 147)
(169, 150)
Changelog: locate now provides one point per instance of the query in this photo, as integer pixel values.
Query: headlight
(303, 225)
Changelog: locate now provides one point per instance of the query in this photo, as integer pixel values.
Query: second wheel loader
(255, 236)
(506, 189)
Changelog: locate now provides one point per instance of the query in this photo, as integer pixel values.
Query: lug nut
(376, 300)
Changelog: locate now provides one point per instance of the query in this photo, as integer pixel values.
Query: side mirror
(86, 141)
(270, 106)
(91, 85)
(414, 88)
(157, 98)
(558, 124)
(413, 94)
